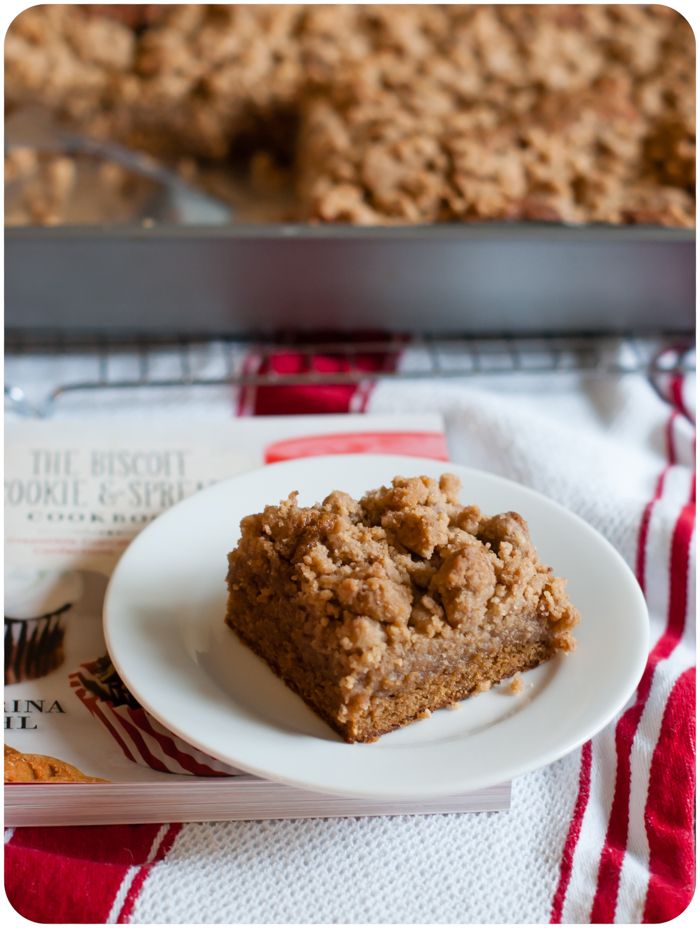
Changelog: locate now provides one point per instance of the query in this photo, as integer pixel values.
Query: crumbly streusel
(551, 113)
(392, 114)
(379, 609)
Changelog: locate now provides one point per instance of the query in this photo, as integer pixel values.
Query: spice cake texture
(379, 611)
(388, 114)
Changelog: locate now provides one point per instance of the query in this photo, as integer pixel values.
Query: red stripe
(92, 705)
(130, 727)
(72, 875)
(109, 844)
(423, 444)
(567, 859)
(584, 775)
(670, 438)
(684, 438)
(640, 565)
(677, 396)
(314, 398)
(321, 398)
(140, 878)
(246, 393)
(361, 396)
(680, 553)
(583, 794)
(188, 763)
(132, 731)
(605, 900)
(669, 815)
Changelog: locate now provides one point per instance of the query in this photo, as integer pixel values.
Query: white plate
(164, 624)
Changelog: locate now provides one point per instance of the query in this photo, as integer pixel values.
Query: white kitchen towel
(603, 835)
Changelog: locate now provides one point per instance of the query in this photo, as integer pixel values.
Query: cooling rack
(169, 361)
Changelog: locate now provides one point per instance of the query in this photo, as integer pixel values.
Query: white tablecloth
(588, 838)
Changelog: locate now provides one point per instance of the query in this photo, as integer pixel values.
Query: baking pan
(246, 279)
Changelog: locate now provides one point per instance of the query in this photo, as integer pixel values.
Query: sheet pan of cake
(243, 169)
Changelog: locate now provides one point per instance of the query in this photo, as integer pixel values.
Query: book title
(95, 486)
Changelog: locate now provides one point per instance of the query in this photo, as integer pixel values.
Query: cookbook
(79, 749)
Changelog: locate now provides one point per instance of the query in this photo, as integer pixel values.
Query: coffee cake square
(380, 611)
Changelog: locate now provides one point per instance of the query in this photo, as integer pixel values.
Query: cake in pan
(387, 114)
(380, 611)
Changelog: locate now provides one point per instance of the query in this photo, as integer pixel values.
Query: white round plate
(164, 625)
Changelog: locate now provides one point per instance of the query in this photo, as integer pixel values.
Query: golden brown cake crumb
(516, 685)
(378, 610)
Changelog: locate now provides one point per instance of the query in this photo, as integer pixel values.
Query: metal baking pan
(246, 279)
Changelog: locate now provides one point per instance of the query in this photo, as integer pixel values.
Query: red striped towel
(605, 834)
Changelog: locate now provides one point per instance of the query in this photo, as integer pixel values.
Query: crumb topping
(406, 564)
(391, 114)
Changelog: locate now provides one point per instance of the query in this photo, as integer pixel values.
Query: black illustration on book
(38, 604)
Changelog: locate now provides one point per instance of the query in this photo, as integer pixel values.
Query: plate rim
(535, 761)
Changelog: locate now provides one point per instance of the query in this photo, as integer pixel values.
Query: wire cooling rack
(104, 363)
